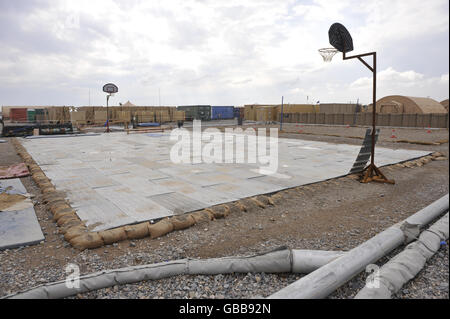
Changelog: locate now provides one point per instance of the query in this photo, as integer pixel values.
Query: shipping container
(266, 113)
(196, 112)
(41, 115)
(222, 112)
(237, 112)
(31, 115)
(18, 115)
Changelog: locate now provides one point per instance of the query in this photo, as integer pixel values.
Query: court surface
(117, 179)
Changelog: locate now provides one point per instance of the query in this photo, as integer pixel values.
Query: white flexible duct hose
(405, 266)
(325, 280)
(280, 261)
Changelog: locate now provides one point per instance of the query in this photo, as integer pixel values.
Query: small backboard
(110, 88)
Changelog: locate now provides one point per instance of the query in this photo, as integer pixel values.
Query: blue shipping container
(222, 112)
(237, 112)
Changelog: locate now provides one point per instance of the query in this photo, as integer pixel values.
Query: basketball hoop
(328, 53)
(110, 89)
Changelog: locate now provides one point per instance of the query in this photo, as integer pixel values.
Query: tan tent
(445, 104)
(408, 104)
(128, 104)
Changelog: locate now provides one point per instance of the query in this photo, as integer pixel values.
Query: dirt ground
(333, 215)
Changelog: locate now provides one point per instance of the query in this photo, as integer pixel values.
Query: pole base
(373, 174)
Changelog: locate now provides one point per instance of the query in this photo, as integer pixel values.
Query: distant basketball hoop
(111, 89)
(328, 53)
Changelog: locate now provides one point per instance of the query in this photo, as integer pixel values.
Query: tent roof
(128, 104)
(445, 104)
(427, 105)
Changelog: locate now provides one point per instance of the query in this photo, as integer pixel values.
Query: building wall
(436, 120)
(336, 108)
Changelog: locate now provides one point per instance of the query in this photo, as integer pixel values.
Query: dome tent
(408, 104)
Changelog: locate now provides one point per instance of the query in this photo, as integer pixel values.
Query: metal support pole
(107, 113)
(372, 173)
(374, 103)
(281, 119)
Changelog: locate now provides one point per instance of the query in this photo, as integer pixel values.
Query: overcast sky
(217, 52)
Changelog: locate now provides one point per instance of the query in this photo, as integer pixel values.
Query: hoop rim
(328, 53)
(326, 50)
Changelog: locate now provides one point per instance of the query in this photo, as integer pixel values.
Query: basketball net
(328, 53)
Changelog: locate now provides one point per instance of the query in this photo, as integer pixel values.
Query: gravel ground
(333, 215)
(233, 286)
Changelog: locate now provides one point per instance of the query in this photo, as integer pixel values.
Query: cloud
(219, 52)
(392, 82)
(390, 76)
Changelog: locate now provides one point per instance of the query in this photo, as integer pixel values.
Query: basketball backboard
(110, 88)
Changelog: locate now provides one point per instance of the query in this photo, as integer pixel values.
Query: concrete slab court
(116, 179)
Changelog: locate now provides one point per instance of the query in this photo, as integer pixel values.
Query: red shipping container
(18, 115)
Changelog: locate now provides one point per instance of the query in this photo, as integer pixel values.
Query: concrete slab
(117, 179)
(19, 228)
(18, 224)
(12, 186)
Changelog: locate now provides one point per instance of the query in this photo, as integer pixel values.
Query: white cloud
(230, 52)
(389, 77)
(410, 83)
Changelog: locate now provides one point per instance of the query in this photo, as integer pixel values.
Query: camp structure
(407, 104)
(444, 103)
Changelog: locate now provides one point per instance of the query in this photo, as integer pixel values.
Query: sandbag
(182, 221)
(63, 212)
(425, 160)
(137, 231)
(74, 232)
(45, 184)
(57, 201)
(202, 216)
(160, 228)
(251, 203)
(55, 208)
(69, 224)
(220, 211)
(111, 236)
(87, 241)
(34, 169)
(277, 198)
(237, 207)
(66, 218)
(50, 198)
(39, 176)
(48, 190)
(263, 200)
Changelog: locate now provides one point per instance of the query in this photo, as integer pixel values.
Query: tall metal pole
(107, 113)
(374, 103)
(372, 172)
(281, 119)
